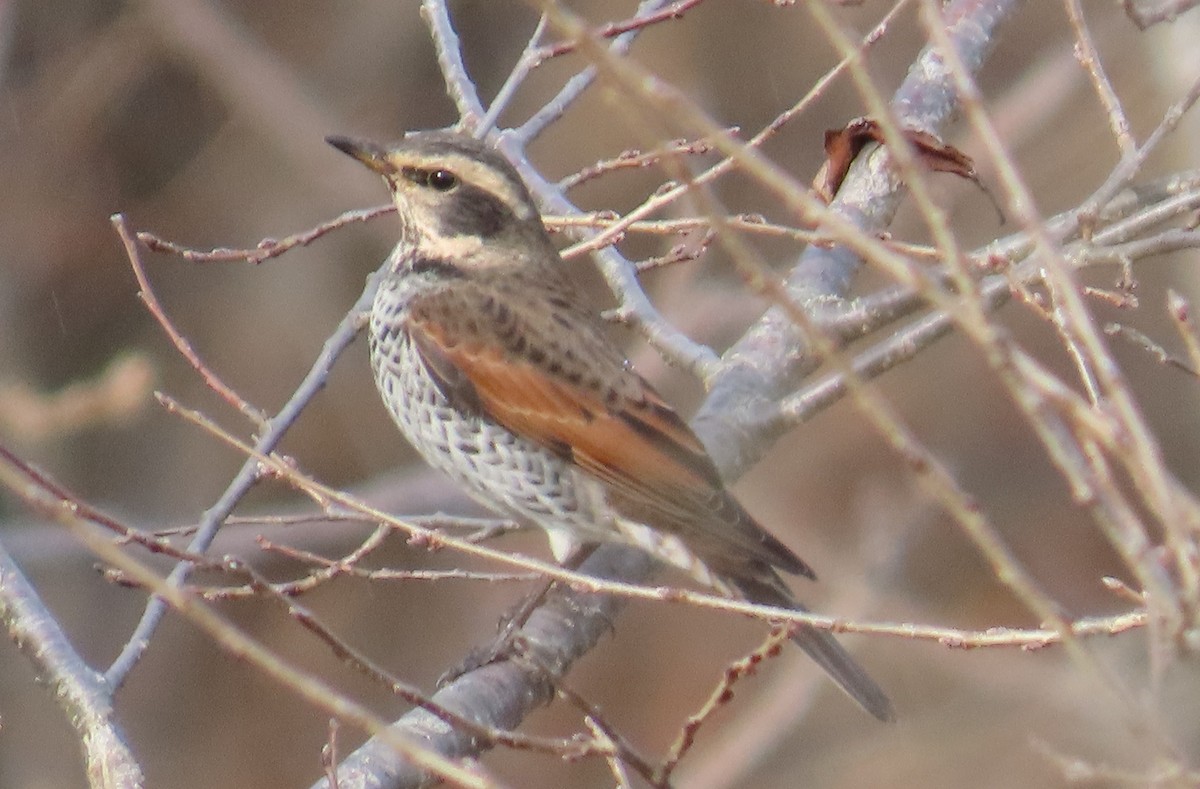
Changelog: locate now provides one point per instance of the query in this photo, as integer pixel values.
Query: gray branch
(736, 421)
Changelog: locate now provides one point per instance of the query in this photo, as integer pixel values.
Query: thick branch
(771, 359)
(501, 694)
(80, 691)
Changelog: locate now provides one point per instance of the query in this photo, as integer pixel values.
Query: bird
(500, 375)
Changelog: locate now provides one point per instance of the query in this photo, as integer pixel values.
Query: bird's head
(456, 196)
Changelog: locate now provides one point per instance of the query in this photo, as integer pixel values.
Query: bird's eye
(442, 180)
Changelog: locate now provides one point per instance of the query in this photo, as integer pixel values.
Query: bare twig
(612, 29)
(267, 248)
(605, 584)
(720, 696)
(1151, 347)
(246, 478)
(576, 85)
(1089, 58)
(1132, 162)
(82, 693)
(449, 54)
(146, 294)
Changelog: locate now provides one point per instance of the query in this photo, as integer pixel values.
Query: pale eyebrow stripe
(478, 175)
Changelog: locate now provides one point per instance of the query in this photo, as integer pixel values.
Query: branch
(501, 694)
(81, 692)
(774, 356)
(247, 476)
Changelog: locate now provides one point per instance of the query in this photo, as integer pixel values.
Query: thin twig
(597, 584)
(146, 294)
(246, 477)
(267, 248)
(459, 86)
(721, 695)
(612, 29)
(1089, 58)
(554, 109)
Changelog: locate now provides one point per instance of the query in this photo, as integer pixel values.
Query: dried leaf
(843, 145)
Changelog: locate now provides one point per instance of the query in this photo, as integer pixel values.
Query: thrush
(500, 375)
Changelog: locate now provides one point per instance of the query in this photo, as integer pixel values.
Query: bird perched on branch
(499, 375)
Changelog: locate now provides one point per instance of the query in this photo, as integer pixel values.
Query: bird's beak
(369, 153)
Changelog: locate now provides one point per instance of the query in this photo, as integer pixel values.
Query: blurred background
(203, 121)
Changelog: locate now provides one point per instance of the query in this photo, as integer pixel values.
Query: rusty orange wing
(607, 420)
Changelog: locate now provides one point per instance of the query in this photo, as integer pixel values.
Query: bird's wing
(607, 420)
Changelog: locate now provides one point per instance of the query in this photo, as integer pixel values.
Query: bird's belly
(503, 471)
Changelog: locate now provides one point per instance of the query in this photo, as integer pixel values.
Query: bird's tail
(822, 647)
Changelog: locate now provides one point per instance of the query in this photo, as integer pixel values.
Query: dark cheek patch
(443, 268)
(473, 212)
